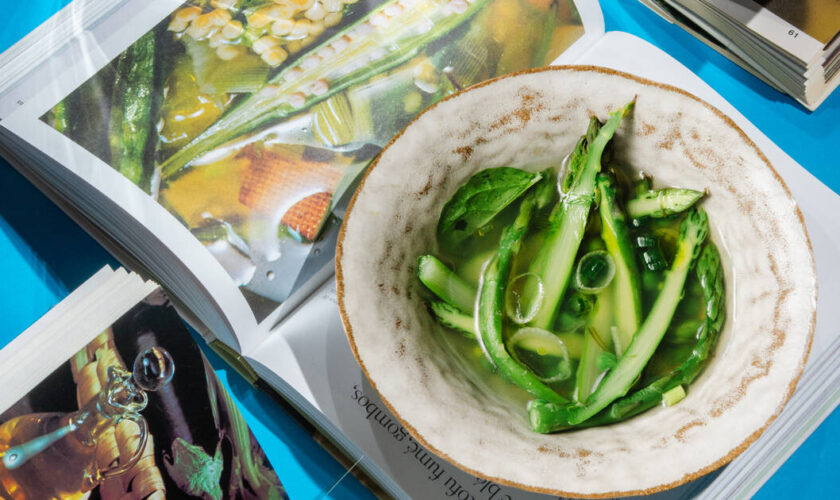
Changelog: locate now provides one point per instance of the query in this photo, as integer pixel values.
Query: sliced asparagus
(451, 317)
(446, 284)
(710, 274)
(627, 301)
(662, 202)
(596, 342)
(556, 258)
(491, 302)
(673, 396)
(649, 252)
(546, 416)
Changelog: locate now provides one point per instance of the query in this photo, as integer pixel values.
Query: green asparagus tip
(662, 202)
(698, 222)
(627, 108)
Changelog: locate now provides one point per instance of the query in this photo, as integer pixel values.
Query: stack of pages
(213, 146)
(794, 46)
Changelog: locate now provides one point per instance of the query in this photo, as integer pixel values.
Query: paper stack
(793, 46)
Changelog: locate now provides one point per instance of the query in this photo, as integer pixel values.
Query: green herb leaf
(480, 199)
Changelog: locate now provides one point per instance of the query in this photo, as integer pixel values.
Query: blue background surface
(44, 255)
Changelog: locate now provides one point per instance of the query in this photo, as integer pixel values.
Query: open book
(226, 180)
(108, 395)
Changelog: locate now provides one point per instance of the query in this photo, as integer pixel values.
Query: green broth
(468, 261)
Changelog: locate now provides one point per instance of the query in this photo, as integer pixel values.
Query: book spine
(235, 360)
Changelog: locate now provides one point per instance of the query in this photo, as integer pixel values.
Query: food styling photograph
(419, 249)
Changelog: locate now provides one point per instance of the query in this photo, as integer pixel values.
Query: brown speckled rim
(728, 457)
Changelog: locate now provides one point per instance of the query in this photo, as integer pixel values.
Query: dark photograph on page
(138, 413)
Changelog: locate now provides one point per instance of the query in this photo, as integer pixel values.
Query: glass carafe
(53, 455)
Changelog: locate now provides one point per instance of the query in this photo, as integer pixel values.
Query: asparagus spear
(131, 109)
(662, 202)
(556, 258)
(446, 284)
(628, 298)
(597, 340)
(451, 317)
(710, 274)
(491, 301)
(546, 416)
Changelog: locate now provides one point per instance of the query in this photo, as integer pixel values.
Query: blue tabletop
(44, 255)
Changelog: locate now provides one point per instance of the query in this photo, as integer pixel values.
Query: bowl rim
(690, 476)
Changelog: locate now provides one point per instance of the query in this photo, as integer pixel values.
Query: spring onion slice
(594, 272)
(524, 298)
(543, 352)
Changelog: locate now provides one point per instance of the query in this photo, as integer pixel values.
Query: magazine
(226, 178)
(124, 406)
(793, 46)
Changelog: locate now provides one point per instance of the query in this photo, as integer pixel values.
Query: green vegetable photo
(250, 120)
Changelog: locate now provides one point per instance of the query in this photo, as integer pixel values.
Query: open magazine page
(137, 412)
(35, 93)
(336, 387)
(231, 130)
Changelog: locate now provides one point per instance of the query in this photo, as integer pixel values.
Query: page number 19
(793, 33)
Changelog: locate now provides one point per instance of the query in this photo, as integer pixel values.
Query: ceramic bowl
(528, 120)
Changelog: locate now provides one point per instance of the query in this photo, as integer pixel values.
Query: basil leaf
(478, 200)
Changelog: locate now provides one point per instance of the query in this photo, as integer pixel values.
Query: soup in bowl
(476, 401)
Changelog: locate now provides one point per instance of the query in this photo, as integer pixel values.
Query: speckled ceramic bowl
(529, 119)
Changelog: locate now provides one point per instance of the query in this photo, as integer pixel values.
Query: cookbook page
(335, 387)
(45, 82)
(232, 129)
(135, 410)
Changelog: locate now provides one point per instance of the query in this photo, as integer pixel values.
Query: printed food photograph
(249, 120)
(136, 414)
